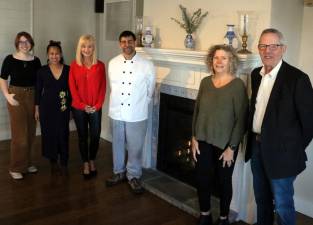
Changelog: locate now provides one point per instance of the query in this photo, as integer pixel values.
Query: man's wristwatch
(233, 147)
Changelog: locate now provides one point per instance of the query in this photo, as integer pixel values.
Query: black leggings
(207, 165)
(88, 128)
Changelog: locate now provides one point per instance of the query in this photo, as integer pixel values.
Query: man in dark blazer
(280, 129)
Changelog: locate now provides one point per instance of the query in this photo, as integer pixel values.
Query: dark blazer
(287, 127)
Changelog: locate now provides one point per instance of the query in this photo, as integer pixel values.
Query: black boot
(222, 222)
(205, 220)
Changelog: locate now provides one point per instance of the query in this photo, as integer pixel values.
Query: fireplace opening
(174, 155)
(174, 148)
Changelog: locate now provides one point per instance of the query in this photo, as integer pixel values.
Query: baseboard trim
(304, 207)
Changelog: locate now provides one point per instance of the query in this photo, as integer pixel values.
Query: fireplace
(174, 155)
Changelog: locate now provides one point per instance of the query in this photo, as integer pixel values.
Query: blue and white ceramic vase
(189, 42)
(230, 37)
(147, 38)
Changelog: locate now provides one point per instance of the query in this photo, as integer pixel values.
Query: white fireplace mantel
(186, 68)
(182, 56)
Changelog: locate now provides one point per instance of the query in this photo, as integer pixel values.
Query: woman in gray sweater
(218, 126)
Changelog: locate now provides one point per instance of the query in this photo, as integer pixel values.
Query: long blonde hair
(82, 40)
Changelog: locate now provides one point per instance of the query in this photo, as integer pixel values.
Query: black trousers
(208, 168)
(88, 127)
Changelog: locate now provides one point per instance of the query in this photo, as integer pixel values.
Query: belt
(28, 88)
(22, 88)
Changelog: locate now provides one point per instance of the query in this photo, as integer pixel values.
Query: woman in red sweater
(87, 85)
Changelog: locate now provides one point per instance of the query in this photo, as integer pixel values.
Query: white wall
(287, 16)
(15, 16)
(303, 185)
(62, 20)
(306, 53)
(213, 27)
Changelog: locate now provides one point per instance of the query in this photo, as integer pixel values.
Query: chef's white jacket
(132, 85)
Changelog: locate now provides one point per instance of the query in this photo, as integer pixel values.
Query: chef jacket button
(124, 61)
(123, 82)
(130, 72)
(129, 83)
(128, 104)
(122, 93)
(123, 71)
(132, 62)
(129, 94)
(122, 103)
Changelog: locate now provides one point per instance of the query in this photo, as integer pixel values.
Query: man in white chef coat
(132, 82)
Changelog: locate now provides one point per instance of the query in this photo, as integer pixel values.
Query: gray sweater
(220, 114)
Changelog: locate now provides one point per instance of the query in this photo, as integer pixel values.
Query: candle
(243, 23)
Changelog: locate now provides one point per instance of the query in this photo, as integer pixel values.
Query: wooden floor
(43, 199)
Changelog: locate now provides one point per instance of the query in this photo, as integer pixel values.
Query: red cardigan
(87, 85)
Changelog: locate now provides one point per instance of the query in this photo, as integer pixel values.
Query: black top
(21, 72)
(48, 88)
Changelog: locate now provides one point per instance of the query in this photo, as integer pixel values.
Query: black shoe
(86, 176)
(54, 168)
(205, 220)
(222, 222)
(136, 186)
(64, 171)
(93, 173)
(115, 179)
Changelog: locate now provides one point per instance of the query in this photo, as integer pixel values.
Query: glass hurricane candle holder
(243, 30)
(139, 28)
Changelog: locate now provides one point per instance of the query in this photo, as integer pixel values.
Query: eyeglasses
(271, 47)
(24, 42)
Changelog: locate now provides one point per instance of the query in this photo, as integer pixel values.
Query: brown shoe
(136, 186)
(115, 179)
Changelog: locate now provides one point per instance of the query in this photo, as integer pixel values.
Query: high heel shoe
(86, 176)
(92, 168)
(222, 221)
(93, 173)
(64, 171)
(205, 220)
(86, 171)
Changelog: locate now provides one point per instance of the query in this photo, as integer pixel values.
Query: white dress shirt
(132, 85)
(263, 96)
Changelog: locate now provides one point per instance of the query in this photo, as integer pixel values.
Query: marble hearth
(179, 73)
